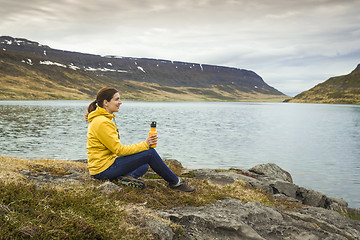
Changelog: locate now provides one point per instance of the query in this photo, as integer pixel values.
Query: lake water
(318, 144)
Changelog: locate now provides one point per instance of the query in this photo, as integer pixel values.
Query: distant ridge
(30, 70)
(340, 90)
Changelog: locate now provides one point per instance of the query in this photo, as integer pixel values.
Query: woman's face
(114, 104)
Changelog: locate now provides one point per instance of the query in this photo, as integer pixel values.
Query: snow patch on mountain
(53, 63)
(103, 70)
(27, 61)
(141, 69)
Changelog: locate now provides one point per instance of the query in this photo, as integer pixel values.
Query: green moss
(49, 213)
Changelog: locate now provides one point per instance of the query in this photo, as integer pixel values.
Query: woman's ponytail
(92, 106)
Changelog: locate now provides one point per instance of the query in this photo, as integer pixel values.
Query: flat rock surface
(234, 219)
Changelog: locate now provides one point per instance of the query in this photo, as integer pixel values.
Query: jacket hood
(99, 111)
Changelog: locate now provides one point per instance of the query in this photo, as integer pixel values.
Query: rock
(212, 222)
(109, 187)
(173, 162)
(338, 201)
(337, 204)
(314, 198)
(274, 181)
(272, 170)
(160, 228)
(228, 177)
(286, 198)
(234, 219)
(48, 177)
(26, 172)
(285, 188)
(221, 178)
(330, 223)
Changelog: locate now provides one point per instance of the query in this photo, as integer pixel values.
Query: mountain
(340, 90)
(30, 70)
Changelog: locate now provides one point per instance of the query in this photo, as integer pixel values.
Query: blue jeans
(137, 165)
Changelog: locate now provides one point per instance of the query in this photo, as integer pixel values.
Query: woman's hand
(151, 140)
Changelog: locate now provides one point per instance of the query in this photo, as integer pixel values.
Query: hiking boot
(182, 186)
(130, 181)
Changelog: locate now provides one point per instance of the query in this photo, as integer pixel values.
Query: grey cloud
(276, 39)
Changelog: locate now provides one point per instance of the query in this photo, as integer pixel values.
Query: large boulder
(274, 180)
(234, 219)
(272, 170)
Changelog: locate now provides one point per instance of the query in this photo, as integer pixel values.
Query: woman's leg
(140, 171)
(125, 165)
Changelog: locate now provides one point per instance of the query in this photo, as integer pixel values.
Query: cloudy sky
(292, 44)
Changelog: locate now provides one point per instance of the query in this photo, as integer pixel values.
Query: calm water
(318, 144)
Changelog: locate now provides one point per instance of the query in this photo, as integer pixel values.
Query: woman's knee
(153, 153)
(151, 150)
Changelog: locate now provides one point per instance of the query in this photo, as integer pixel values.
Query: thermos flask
(153, 132)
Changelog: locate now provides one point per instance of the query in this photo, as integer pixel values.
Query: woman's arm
(107, 135)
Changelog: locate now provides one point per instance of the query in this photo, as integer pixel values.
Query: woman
(109, 159)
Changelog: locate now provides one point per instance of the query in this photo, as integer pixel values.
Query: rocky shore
(314, 216)
(319, 216)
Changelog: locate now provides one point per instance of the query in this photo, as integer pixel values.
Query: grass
(79, 210)
(353, 217)
(336, 90)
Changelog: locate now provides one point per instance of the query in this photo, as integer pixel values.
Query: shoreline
(193, 169)
(279, 99)
(259, 203)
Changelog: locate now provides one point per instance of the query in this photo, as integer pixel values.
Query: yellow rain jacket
(103, 143)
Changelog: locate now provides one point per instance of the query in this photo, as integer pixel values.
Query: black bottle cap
(153, 124)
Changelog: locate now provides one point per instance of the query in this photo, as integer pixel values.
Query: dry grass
(19, 88)
(37, 87)
(155, 92)
(79, 210)
(10, 167)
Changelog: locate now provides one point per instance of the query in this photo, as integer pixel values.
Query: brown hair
(105, 93)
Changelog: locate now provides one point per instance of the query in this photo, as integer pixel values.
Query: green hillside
(338, 90)
(29, 70)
